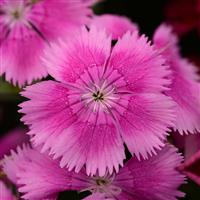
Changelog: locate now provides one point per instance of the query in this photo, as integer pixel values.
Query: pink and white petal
(166, 41)
(188, 70)
(186, 94)
(12, 163)
(48, 111)
(145, 123)
(54, 24)
(20, 59)
(140, 64)
(115, 25)
(5, 193)
(41, 177)
(185, 88)
(38, 176)
(66, 60)
(191, 167)
(158, 173)
(98, 146)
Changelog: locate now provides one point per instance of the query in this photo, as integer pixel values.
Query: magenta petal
(144, 124)
(99, 147)
(115, 25)
(185, 87)
(37, 176)
(61, 17)
(12, 163)
(5, 193)
(155, 178)
(191, 167)
(140, 64)
(76, 55)
(186, 93)
(20, 62)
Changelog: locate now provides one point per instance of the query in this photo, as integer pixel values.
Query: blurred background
(183, 15)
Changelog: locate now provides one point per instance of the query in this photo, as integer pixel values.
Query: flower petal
(185, 86)
(75, 55)
(114, 25)
(186, 94)
(20, 62)
(11, 164)
(141, 65)
(56, 12)
(155, 178)
(40, 177)
(145, 123)
(98, 146)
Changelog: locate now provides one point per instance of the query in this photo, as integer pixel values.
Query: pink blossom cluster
(102, 98)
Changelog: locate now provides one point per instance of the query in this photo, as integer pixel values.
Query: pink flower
(104, 98)
(40, 177)
(11, 140)
(115, 25)
(5, 193)
(185, 87)
(27, 26)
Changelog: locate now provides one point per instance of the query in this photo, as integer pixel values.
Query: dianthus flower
(114, 25)
(104, 98)
(40, 177)
(27, 26)
(185, 87)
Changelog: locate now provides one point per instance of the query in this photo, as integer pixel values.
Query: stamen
(16, 14)
(104, 185)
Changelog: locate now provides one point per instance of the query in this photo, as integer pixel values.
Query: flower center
(101, 181)
(16, 14)
(21, 18)
(99, 93)
(104, 185)
(98, 96)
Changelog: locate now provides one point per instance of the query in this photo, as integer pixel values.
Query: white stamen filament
(103, 185)
(97, 96)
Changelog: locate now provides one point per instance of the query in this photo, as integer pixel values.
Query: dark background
(148, 14)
